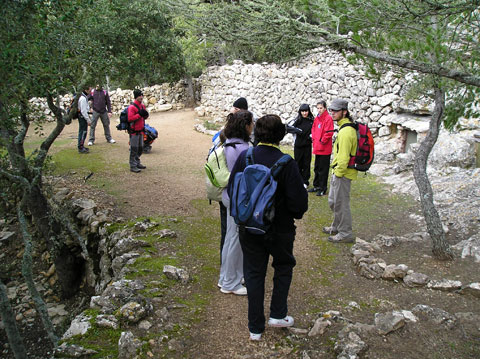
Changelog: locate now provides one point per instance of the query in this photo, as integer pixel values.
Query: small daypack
(70, 106)
(217, 171)
(252, 194)
(124, 124)
(365, 147)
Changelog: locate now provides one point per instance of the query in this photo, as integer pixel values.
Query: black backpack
(69, 108)
(124, 124)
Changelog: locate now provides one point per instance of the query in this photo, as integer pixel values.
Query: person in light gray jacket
(83, 120)
(237, 131)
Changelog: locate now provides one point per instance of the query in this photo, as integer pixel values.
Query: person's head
(138, 95)
(239, 125)
(87, 89)
(304, 111)
(98, 87)
(339, 109)
(321, 107)
(269, 129)
(239, 104)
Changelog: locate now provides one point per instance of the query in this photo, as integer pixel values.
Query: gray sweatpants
(339, 202)
(231, 269)
(106, 125)
(136, 149)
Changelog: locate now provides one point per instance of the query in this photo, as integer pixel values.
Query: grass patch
(69, 159)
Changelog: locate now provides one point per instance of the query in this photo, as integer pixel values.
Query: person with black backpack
(344, 148)
(291, 202)
(137, 114)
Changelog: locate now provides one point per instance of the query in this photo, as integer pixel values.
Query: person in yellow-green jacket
(344, 148)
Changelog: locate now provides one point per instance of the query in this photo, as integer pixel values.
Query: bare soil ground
(324, 279)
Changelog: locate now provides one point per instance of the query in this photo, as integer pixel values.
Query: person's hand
(109, 114)
(143, 113)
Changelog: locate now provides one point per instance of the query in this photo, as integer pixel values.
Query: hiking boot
(142, 167)
(83, 150)
(281, 323)
(255, 336)
(321, 193)
(111, 140)
(90, 143)
(329, 230)
(313, 189)
(338, 239)
(241, 291)
(135, 169)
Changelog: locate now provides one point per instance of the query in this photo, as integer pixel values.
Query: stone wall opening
(410, 138)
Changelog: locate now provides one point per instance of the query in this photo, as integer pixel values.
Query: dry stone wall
(157, 98)
(322, 75)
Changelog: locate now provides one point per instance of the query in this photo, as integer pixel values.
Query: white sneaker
(281, 323)
(90, 143)
(111, 140)
(241, 291)
(254, 336)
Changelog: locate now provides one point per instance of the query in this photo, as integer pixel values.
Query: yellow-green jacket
(344, 147)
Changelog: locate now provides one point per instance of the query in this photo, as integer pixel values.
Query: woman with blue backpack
(237, 132)
(291, 202)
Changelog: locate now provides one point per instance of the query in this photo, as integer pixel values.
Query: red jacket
(322, 132)
(133, 116)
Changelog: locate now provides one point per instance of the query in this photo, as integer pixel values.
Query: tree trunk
(8, 318)
(441, 249)
(190, 92)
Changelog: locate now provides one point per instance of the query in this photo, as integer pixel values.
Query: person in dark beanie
(239, 104)
(291, 202)
(137, 114)
(302, 149)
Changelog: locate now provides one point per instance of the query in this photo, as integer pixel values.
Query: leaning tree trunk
(441, 249)
(10, 324)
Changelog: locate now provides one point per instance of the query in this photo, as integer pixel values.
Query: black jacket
(291, 199)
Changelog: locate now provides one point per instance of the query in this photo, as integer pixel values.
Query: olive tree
(50, 47)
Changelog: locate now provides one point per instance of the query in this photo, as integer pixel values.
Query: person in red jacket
(137, 114)
(322, 132)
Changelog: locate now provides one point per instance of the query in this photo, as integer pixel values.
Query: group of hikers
(101, 107)
(245, 254)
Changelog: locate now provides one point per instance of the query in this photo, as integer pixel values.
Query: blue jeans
(82, 131)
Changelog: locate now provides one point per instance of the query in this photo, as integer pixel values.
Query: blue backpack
(252, 194)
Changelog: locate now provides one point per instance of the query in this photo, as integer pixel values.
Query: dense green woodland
(53, 47)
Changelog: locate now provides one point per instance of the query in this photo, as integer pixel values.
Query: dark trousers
(82, 131)
(322, 165)
(303, 157)
(136, 149)
(256, 252)
(223, 227)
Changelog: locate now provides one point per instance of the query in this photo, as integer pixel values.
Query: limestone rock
(133, 312)
(319, 328)
(472, 288)
(78, 326)
(349, 345)
(388, 322)
(174, 273)
(73, 351)
(394, 271)
(128, 345)
(438, 316)
(416, 279)
(469, 247)
(445, 285)
(127, 245)
(107, 321)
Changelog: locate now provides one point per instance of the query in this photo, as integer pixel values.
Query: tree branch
(27, 274)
